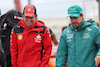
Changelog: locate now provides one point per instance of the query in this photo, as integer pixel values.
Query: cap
(29, 10)
(74, 11)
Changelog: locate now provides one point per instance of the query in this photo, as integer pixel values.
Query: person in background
(92, 21)
(64, 27)
(79, 43)
(28, 39)
(98, 24)
(54, 43)
(52, 61)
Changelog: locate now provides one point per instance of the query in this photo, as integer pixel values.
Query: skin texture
(29, 21)
(97, 60)
(76, 21)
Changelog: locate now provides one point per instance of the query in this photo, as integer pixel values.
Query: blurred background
(53, 12)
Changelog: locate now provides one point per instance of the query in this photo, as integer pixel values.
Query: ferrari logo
(38, 31)
(20, 37)
(29, 10)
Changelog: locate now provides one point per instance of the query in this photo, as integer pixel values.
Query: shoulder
(64, 33)
(18, 29)
(66, 30)
(39, 23)
(94, 28)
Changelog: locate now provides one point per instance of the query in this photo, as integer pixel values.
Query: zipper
(75, 29)
(75, 46)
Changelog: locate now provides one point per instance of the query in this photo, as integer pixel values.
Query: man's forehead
(29, 17)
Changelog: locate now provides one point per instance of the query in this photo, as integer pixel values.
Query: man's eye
(31, 17)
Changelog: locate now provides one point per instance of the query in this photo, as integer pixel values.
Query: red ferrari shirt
(26, 45)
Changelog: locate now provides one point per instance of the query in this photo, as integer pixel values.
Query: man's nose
(74, 20)
(28, 19)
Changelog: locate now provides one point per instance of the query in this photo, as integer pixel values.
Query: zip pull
(75, 36)
(75, 29)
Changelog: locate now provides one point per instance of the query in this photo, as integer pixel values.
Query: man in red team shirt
(28, 39)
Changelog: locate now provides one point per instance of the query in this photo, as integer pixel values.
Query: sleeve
(2, 57)
(13, 48)
(47, 45)
(62, 52)
(97, 40)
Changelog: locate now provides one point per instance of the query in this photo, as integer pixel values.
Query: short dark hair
(81, 14)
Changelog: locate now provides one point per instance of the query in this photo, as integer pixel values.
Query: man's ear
(81, 15)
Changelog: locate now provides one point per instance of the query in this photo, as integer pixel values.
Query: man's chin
(75, 26)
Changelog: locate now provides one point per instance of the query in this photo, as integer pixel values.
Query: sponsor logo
(29, 10)
(69, 40)
(75, 14)
(86, 36)
(38, 38)
(20, 37)
(72, 9)
(89, 29)
(69, 36)
(68, 31)
(86, 33)
(38, 31)
(16, 17)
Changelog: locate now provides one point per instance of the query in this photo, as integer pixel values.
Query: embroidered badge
(20, 37)
(38, 38)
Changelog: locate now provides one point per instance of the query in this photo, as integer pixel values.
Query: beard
(75, 24)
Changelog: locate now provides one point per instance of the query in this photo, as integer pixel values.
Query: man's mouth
(28, 22)
(75, 23)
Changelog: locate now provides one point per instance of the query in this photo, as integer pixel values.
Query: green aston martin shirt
(78, 47)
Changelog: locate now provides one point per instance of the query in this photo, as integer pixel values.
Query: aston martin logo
(20, 37)
(72, 9)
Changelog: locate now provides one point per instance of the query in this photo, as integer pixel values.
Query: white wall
(6, 5)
